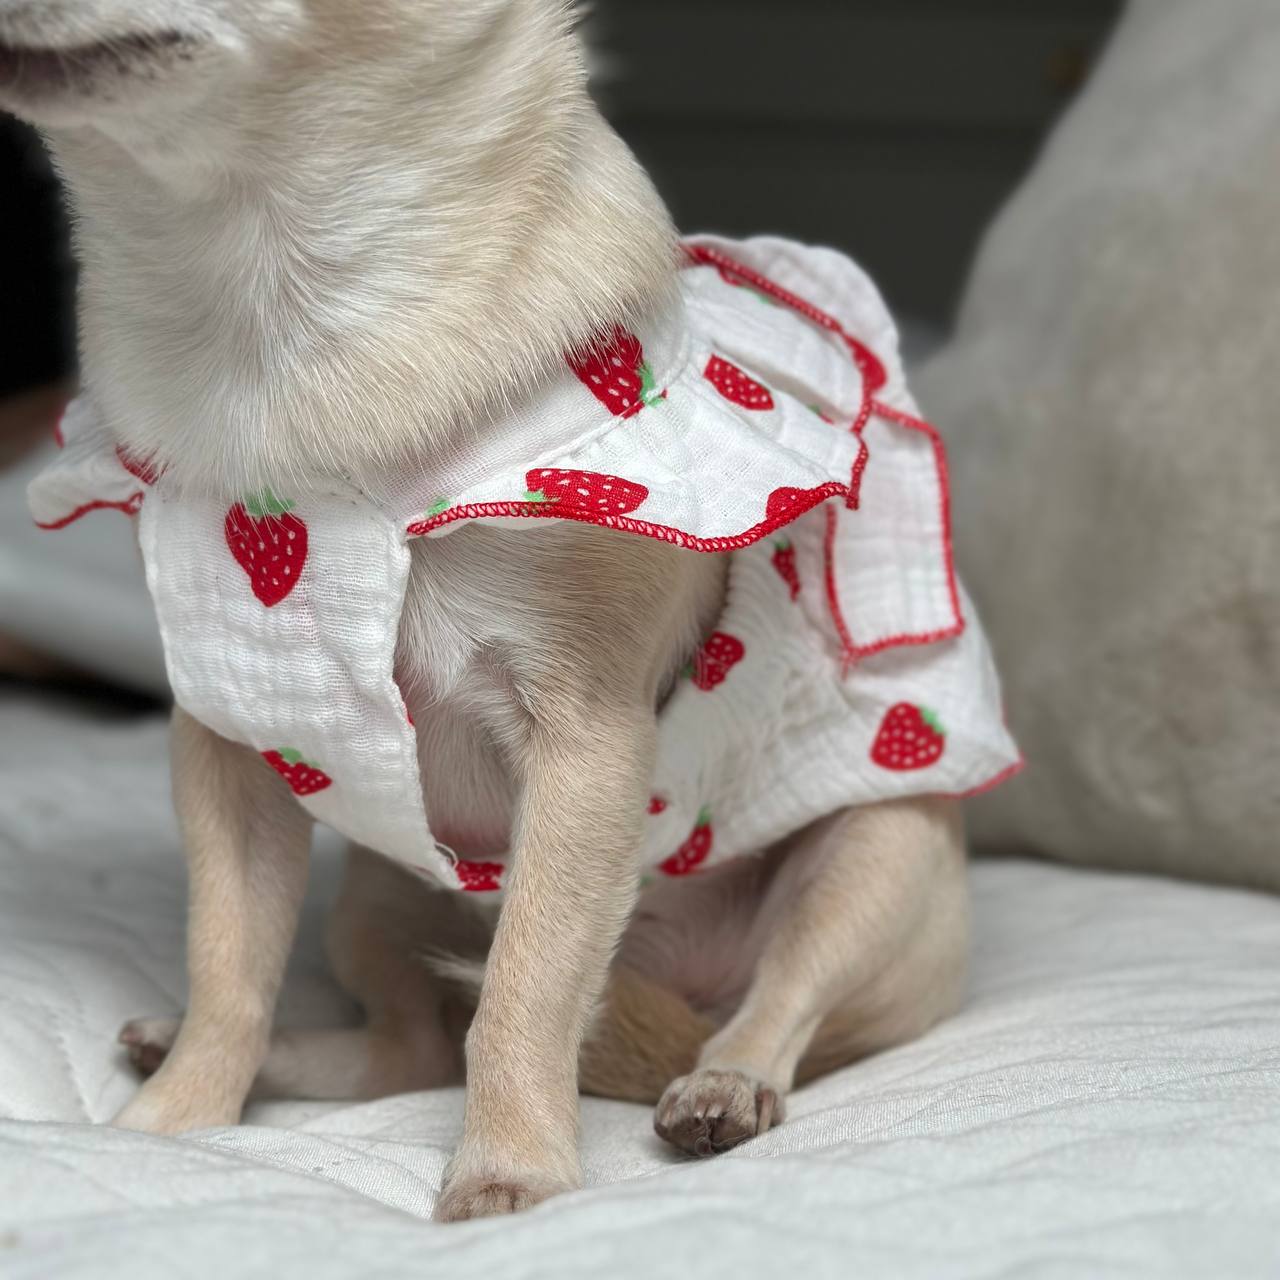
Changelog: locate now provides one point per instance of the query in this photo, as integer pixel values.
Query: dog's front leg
(247, 842)
(571, 891)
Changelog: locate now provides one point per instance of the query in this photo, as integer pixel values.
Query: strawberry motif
(269, 544)
(479, 877)
(735, 386)
(784, 561)
(304, 779)
(713, 661)
(617, 374)
(587, 491)
(785, 504)
(657, 804)
(142, 469)
(695, 850)
(910, 737)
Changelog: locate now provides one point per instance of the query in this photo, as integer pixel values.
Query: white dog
(362, 261)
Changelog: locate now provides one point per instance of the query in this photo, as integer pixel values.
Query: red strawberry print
(713, 661)
(784, 561)
(479, 877)
(657, 804)
(587, 491)
(144, 470)
(910, 737)
(304, 779)
(785, 504)
(617, 374)
(695, 850)
(735, 386)
(269, 544)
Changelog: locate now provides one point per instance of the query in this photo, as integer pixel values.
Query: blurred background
(890, 128)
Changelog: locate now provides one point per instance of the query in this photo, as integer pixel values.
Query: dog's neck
(357, 264)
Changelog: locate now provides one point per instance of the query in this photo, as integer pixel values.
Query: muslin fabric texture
(765, 416)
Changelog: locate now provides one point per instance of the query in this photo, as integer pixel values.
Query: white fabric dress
(766, 415)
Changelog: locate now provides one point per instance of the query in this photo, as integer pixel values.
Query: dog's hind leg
(868, 950)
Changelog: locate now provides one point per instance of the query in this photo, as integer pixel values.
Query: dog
(320, 238)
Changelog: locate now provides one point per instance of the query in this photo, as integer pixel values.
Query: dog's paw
(147, 1041)
(481, 1196)
(710, 1110)
(169, 1106)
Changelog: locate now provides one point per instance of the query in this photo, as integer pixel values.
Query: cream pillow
(1112, 401)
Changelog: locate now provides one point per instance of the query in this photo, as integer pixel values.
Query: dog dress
(764, 415)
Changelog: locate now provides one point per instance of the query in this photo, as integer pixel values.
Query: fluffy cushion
(1112, 399)
(1103, 1106)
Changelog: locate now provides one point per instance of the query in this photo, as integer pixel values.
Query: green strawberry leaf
(931, 719)
(648, 392)
(439, 505)
(265, 503)
(782, 544)
(289, 755)
(538, 495)
(704, 817)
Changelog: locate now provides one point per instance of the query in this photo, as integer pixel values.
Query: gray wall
(892, 128)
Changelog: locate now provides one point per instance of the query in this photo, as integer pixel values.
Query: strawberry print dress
(765, 416)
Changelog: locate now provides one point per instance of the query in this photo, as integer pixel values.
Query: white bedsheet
(1107, 1104)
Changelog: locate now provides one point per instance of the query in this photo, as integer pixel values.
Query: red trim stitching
(130, 506)
(833, 599)
(944, 486)
(859, 466)
(874, 377)
(854, 653)
(991, 783)
(869, 364)
(548, 511)
(873, 371)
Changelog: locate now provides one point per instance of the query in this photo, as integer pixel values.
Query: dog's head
(74, 62)
(112, 62)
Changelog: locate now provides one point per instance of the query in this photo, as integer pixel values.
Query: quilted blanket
(1104, 1105)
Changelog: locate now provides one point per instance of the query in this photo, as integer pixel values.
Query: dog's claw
(710, 1111)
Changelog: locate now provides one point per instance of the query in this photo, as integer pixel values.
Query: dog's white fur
(365, 234)
(320, 236)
